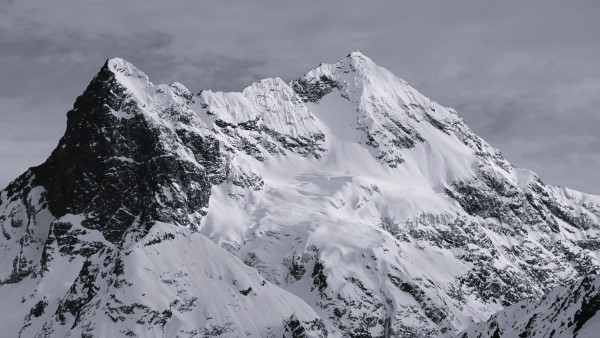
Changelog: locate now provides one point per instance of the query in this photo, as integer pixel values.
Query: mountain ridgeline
(341, 204)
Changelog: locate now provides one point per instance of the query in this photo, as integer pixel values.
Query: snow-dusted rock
(566, 311)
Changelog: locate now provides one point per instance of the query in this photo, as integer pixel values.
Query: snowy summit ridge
(343, 203)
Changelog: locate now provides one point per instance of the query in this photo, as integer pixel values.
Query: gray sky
(524, 75)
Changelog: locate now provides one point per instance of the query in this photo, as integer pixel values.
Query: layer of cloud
(525, 76)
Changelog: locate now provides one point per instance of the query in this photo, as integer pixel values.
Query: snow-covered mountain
(566, 311)
(343, 203)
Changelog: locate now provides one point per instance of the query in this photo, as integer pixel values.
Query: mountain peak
(354, 63)
(120, 66)
(127, 75)
(358, 58)
(357, 54)
(353, 205)
(122, 77)
(358, 72)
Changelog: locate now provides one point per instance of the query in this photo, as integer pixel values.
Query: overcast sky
(524, 75)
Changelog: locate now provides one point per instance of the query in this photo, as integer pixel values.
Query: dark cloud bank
(525, 76)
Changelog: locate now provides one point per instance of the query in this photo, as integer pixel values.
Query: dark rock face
(392, 136)
(562, 312)
(247, 134)
(590, 304)
(314, 91)
(490, 196)
(120, 172)
(515, 213)
(295, 328)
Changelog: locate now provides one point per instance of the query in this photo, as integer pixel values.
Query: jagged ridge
(359, 207)
(567, 311)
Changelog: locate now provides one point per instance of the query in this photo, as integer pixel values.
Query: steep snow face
(566, 311)
(391, 115)
(348, 204)
(408, 222)
(164, 285)
(270, 100)
(268, 118)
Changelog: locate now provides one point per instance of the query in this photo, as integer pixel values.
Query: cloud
(524, 75)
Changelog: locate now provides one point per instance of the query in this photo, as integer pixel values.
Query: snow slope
(567, 311)
(343, 203)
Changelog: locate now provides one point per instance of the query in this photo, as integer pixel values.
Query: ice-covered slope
(368, 210)
(567, 311)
